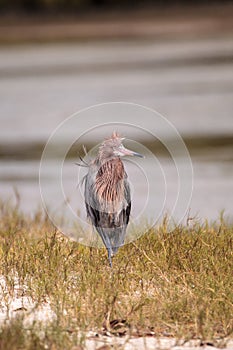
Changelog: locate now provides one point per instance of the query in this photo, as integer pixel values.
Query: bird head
(113, 147)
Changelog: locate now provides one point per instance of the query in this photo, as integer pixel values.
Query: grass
(175, 284)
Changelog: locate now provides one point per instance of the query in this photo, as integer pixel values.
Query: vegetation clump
(176, 284)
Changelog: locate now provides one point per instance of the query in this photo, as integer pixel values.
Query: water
(190, 83)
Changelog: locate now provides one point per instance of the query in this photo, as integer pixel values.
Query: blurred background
(59, 56)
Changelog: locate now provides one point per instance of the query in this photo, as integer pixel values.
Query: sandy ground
(18, 303)
(149, 343)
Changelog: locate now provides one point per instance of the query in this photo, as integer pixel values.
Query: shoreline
(174, 22)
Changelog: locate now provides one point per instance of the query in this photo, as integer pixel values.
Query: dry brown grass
(175, 284)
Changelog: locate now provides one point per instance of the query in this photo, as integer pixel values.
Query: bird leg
(110, 256)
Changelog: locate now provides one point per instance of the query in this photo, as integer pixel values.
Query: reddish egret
(107, 193)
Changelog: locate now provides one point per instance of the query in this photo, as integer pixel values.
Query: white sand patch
(15, 302)
(150, 343)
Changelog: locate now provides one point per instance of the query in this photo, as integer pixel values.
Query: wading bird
(107, 193)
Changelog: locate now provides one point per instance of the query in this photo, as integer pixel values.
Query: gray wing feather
(110, 226)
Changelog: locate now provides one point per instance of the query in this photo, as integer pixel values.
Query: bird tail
(113, 238)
